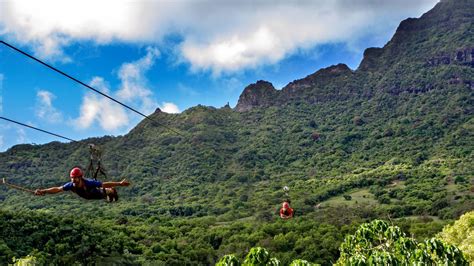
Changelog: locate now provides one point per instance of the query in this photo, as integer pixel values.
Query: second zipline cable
(35, 128)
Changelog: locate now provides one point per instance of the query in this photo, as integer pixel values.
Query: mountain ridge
(446, 16)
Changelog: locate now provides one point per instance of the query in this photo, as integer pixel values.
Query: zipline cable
(44, 131)
(89, 87)
(16, 186)
(92, 148)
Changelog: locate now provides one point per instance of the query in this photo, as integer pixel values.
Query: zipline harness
(95, 167)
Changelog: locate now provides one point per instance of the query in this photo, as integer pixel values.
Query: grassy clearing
(451, 187)
(423, 218)
(358, 197)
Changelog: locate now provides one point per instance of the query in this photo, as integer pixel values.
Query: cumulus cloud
(170, 108)
(134, 87)
(95, 108)
(219, 36)
(133, 90)
(45, 109)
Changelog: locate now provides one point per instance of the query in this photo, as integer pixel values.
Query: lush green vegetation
(392, 140)
(378, 243)
(88, 238)
(374, 243)
(461, 234)
(257, 256)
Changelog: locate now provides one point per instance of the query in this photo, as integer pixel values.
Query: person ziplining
(86, 188)
(286, 212)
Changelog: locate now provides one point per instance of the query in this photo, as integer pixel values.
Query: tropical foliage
(378, 243)
(461, 234)
(258, 256)
(374, 243)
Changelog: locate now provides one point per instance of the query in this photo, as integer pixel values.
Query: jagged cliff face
(317, 87)
(327, 83)
(443, 31)
(411, 62)
(260, 94)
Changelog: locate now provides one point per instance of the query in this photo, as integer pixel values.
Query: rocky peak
(259, 94)
(441, 36)
(227, 106)
(157, 113)
(371, 56)
(330, 72)
(321, 77)
(447, 15)
(449, 19)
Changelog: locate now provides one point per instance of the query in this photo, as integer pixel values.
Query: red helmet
(76, 172)
(286, 205)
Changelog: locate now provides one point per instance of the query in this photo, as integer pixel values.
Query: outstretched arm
(52, 190)
(123, 183)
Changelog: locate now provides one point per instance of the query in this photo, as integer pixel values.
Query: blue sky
(170, 55)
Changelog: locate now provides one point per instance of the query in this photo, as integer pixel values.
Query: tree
(299, 262)
(259, 256)
(461, 234)
(26, 261)
(315, 136)
(228, 260)
(379, 243)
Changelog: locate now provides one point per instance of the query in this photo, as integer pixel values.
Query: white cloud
(170, 108)
(1, 92)
(45, 109)
(134, 87)
(12, 135)
(219, 36)
(95, 108)
(133, 90)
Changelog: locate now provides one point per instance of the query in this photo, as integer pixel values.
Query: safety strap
(95, 158)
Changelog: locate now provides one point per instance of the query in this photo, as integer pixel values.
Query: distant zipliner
(286, 212)
(89, 188)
